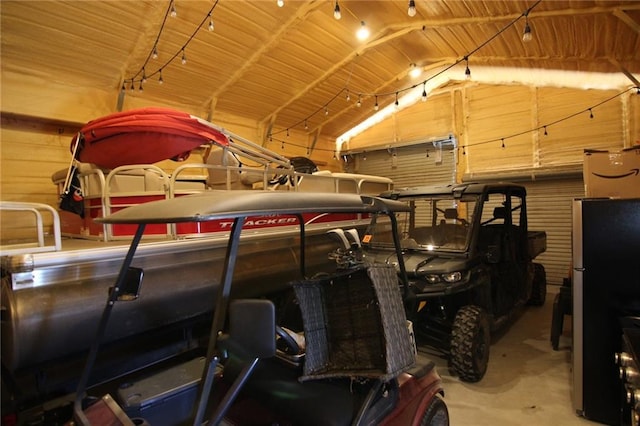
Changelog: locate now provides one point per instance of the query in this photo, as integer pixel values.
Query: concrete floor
(527, 382)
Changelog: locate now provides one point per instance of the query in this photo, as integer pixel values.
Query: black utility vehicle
(468, 254)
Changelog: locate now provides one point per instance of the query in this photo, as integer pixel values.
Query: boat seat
(316, 183)
(217, 179)
(135, 180)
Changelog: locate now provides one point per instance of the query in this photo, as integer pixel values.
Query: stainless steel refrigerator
(606, 288)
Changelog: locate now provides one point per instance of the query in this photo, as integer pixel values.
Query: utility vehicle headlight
(452, 277)
(432, 279)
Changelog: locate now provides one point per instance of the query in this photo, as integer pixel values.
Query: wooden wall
(485, 117)
(36, 144)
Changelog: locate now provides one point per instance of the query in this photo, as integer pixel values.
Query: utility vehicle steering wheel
(289, 345)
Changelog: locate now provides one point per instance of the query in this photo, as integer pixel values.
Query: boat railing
(32, 236)
(129, 185)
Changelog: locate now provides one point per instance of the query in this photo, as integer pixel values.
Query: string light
(171, 12)
(336, 11)
(545, 131)
(375, 107)
(326, 110)
(502, 142)
(363, 32)
(590, 113)
(415, 71)
(457, 62)
(280, 3)
(424, 91)
(411, 11)
(140, 88)
(467, 72)
(526, 35)
(397, 105)
(348, 97)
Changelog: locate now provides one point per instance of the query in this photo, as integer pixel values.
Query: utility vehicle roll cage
(238, 206)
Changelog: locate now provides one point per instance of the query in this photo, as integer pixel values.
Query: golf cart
(343, 352)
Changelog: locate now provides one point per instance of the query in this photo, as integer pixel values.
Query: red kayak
(143, 136)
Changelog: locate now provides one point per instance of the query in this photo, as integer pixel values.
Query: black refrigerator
(606, 288)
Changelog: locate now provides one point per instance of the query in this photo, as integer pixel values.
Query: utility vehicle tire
(436, 413)
(470, 342)
(539, 286)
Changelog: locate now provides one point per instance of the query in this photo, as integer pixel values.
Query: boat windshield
(434, 224)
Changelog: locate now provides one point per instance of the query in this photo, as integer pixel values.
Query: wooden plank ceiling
(294, 65)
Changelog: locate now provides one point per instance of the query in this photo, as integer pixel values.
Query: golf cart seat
(357, 343)
(277, 388)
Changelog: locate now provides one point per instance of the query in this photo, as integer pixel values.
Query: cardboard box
(612, 174)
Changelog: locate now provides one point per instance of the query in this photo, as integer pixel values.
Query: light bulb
(375, 107)
(154, 55)
(174, 12)
(467, 72)
(280, 3)
(412, 8)
(160, 79)
(415, 71)
(526, 35)
(336, 11)
(211, 27)
(359, 103)
(424, 92)
(184, 58)
(363, 31)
